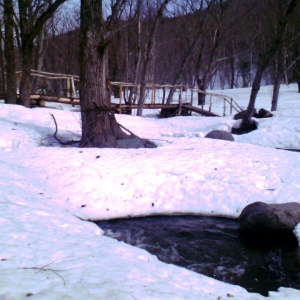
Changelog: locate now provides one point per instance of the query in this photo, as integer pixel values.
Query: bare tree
(99, 125)
(286, 57)
(62, 38)
(279, 69)
(33, 16)
(192, 47)
(268, 53)
(149, 55)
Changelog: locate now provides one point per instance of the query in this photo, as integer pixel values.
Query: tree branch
(59, 140)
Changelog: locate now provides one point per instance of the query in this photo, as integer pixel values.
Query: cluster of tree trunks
(196, 44)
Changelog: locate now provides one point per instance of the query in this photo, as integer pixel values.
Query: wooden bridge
(61, 88)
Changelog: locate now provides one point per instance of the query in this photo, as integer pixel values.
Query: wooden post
(152, 95)
(19, 82)
(192, 96)
(68, 88)
(210, 103)
(231, 106)
(73, 91)
(120, 103)
(224, 111)
(138, 92)
(164, 95)
(180, 100)
(180, 94)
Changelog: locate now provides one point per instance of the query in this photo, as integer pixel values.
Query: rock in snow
(278, 221)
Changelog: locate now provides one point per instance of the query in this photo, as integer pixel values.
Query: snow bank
(47, 251)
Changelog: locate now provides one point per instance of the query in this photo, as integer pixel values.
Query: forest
(217, 43)
(204, 43)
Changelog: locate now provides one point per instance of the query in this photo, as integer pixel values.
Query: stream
(211, 246)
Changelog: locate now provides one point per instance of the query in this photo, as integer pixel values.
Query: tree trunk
(137, 78)
(279, 72)
(207, 74)
(183, 65)
(9, 50)
(254, 91)
(2, 74)
(25, 87)
(30, 27)
(99, 126)
(201, 96)
(232, 69)
(42, 43)
(148, 57)
(276, 87)
(275, 95)
(277, 44)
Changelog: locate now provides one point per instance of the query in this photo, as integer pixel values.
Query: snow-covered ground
(47, 192)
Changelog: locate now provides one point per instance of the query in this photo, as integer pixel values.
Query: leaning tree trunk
(254, 91)
(277, 44)
(99, 126)
(279, 72)
(275, 94)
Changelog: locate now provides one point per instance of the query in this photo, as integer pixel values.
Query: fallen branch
(59, 140)
(52, 270)
(146, 143)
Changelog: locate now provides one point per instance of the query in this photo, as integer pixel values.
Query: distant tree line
(204, 43)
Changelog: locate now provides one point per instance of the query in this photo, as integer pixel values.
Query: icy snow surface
(49, 251)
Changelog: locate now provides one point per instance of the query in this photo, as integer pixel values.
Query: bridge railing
(183, 94)
(54, 87)
(223, 102)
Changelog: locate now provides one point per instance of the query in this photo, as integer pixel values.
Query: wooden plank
(199, 110)
(74, 101)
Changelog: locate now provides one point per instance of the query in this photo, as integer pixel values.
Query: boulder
(220, 135)
(271, 221)
(263, 113)
(240, 115)
(291, 265)
(134, 143)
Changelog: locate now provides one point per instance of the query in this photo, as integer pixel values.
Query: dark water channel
(211, 246)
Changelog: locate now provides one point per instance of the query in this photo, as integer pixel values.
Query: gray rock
(130, 143)
(263, 113)
(134, 143)
(270, 220)
(240, 115)
(220, 135)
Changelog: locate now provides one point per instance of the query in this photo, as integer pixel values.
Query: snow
(48, 250)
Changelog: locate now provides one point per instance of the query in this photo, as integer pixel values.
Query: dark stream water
(211, 246)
